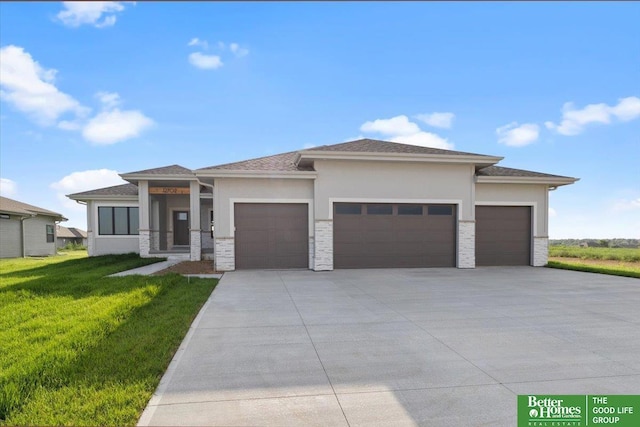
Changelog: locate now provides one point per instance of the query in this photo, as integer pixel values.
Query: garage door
(393, 235)
(271, 235)
(503, 235)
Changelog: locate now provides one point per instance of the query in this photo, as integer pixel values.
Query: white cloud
(113, 126)
(109, 100)
(575, 120)
(424, 139)
(30, 88)
(83, 181)
(8, 188)
(438, 120)
(552, 213)
(197, 42)
(100, 14)
(624, 205)
(237, 50)
(205, 62)
(399, 125)
(515, 135)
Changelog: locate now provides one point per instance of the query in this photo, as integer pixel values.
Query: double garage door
(379, 235)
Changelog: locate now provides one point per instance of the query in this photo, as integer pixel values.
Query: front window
(50, 234)
(117, 221)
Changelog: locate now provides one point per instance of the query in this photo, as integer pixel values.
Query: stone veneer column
(540, 251)
(90, 243)
(323, 245)
(311, 252)
(225, 259)
(195, 245)
(466, 244)
(145, 243)
(195, 240)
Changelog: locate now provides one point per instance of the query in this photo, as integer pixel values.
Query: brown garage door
(503, 235)
(271, 235)
(393, 235)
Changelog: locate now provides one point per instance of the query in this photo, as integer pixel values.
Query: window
(440, 210)
(379, 209)
(119, 221)
(211, 222)
(409, 209)
(348, 208)
(50, 234)
(5, 216)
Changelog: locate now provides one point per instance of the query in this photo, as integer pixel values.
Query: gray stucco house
(358, 204)
(26, 230)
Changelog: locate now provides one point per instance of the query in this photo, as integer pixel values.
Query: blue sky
(90, 90)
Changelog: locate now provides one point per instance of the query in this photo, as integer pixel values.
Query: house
(358, 204)
(26, 230)
(72, 235)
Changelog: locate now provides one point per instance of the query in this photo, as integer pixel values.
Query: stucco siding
(520, 194)
(392, 181)
(108, 244)
(10, 237)
(35, 236)
(262, 190)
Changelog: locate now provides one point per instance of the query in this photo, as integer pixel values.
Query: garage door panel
(271, 236)
(395, 241)
(503, 235)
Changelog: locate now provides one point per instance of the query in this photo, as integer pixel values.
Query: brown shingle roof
(278, 163)
(165, 170)
(116, 190)
(71, 233)
(13, 206)
(502, 171)
(377, 146)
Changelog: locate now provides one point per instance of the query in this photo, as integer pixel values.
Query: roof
(15, 207)
(116, 190)
(288, 162)
(377, 146)
(71, 233)
(502, 171)
(284, 162)
(164, 170)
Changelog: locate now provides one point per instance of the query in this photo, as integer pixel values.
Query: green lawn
(617, 254)
(626, 270)
(78, 348)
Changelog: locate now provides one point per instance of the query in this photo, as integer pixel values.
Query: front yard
(614, 261)
(79, 348)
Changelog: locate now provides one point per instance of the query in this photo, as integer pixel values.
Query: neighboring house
(72, 235)
(358, 204)
(26, 230)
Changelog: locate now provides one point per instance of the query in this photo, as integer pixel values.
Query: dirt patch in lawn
(597, 262)
(189, 267)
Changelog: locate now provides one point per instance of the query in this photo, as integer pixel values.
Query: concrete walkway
(432, 347)
(148, 269)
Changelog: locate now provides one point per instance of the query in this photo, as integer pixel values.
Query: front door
(181, 228)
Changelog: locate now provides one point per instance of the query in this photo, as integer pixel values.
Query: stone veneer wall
(90, 243)
(145, 243)
(466, 244)
(311, 251)
(540, 251)
(225, 259)
(323, 259)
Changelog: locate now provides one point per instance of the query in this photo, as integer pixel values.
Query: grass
(621, 270)
(79, 348)
(616, 254)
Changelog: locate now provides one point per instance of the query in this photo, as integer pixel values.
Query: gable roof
(121, 190)
(71, 233)
(8, 205)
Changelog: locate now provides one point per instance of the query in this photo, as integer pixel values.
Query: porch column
(143, 212)
(194, 227)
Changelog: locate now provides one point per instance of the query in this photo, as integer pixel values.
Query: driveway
(436, 347)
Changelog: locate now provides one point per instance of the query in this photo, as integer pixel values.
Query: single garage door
(503, 235)
(271, 235)
(393, 235)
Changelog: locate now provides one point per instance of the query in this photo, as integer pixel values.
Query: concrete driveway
(436, 347)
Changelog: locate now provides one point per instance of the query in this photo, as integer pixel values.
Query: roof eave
(230, 173)
(555, 181)
(90, 197)
(133, 178)
(402, 157)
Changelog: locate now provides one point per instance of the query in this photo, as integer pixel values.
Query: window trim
(113, 221)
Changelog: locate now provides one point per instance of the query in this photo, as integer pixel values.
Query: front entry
(181, 228)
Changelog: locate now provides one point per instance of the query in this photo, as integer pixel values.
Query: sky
(90, 90)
